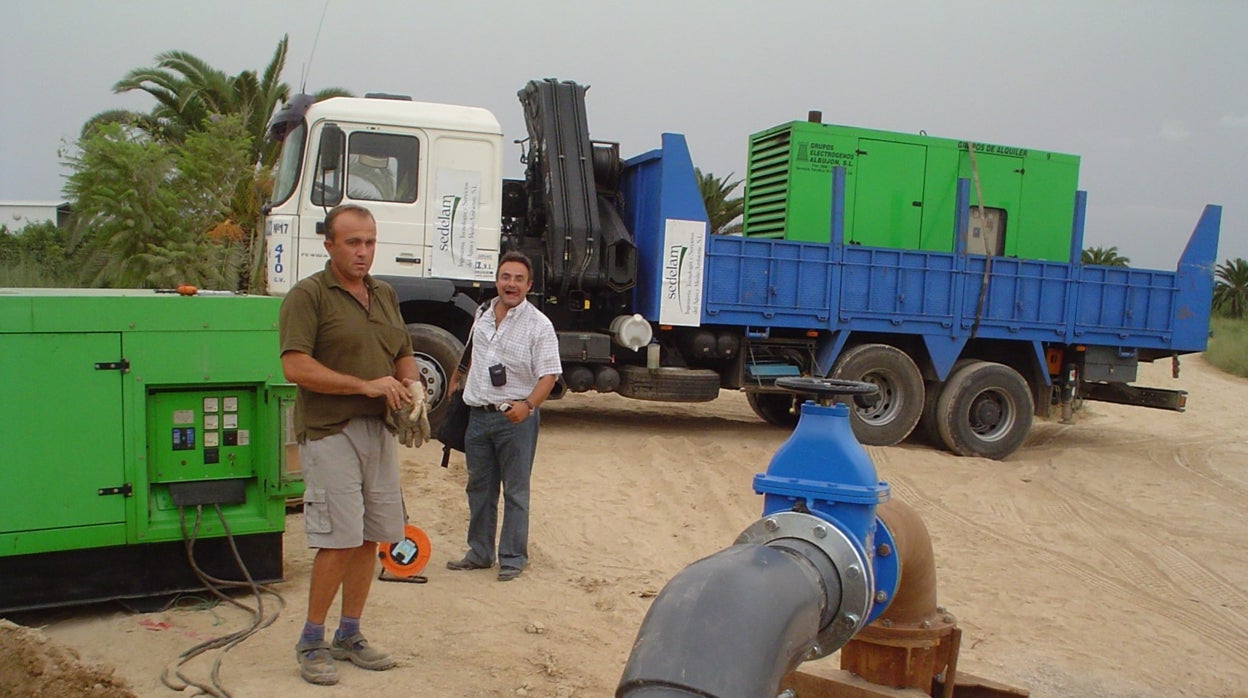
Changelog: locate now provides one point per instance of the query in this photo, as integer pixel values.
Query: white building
(15, 215)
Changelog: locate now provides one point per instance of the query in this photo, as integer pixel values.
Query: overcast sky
(1152, 94)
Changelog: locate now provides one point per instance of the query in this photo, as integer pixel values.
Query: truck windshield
(288, 166)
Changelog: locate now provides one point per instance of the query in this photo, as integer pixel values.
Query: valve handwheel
(824, 389)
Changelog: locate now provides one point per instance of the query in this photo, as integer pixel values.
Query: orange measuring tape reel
(406, 558)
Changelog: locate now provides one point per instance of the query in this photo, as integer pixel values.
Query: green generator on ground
(133, 422)
(901, 191)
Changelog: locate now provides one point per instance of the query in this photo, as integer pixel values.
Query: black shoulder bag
(455, 423)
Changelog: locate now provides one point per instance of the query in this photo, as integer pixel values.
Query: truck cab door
(463, 212)
(380, 168)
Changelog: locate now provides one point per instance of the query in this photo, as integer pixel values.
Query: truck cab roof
(394, 112)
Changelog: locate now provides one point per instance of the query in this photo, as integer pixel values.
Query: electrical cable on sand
(224, 642)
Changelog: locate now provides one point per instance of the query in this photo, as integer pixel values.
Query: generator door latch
(125, 490)
(123, 365)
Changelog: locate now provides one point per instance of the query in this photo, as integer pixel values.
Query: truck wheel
(437, 354)
(668, 384)
(984, 410)
(900, 402)
(928, 428)
(773, 408)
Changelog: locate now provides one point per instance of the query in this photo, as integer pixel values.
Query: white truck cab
(431, 174)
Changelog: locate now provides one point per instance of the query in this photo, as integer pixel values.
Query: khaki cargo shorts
(351, 487)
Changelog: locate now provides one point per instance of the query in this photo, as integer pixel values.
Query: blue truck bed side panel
(768, 283)
(777, 283)
(1025, 298)
(883, 288)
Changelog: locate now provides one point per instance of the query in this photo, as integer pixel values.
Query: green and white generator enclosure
(133, 424)
(901, 191)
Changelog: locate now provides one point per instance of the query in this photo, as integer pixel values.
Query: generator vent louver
(767, 184)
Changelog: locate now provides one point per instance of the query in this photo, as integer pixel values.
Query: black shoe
(466, 564)
(506, 574)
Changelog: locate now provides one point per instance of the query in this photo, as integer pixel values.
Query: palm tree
(190, 94)
(1230, 291)
(722, 212)
(1104, 256)
(188, 91)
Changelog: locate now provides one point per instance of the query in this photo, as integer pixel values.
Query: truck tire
(437, 354)
(668, 384)
(900, 402)
(774, 408)
(928, 429)
(985, 410)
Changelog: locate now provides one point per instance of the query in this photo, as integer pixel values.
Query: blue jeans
(499, 453)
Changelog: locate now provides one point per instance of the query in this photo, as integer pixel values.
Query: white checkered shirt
(524, 342)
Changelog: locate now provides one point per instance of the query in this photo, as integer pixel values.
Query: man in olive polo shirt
(345, 345)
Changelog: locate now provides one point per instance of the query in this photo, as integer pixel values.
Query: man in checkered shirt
(514, 365)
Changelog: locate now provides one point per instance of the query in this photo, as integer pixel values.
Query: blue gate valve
(821, 488)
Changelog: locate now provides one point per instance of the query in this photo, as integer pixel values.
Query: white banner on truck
(680, 294)
(454, 209)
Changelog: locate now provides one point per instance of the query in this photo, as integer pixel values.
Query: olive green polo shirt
(323, 320)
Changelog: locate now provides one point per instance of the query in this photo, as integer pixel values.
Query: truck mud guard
(411, 289)
(1124, 394)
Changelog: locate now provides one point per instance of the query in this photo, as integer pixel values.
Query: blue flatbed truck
(966, 348)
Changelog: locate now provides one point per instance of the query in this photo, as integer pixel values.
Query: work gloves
(412, 420)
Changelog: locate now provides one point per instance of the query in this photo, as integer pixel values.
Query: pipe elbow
(729, 625)
(914, 600)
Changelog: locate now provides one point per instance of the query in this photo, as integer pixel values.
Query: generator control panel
(201, 434)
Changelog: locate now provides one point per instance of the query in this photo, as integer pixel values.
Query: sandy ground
(1105, 558)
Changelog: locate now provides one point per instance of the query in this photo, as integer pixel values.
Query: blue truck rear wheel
(985, 410)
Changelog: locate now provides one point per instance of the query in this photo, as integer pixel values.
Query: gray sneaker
(355, 649)
(316, 664)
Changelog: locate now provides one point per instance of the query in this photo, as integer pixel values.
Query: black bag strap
(465, 361)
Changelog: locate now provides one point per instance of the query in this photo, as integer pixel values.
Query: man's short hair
(516, 256)
(332, 217)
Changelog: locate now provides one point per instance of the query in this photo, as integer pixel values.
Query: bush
(35, 255)
(1228, 345)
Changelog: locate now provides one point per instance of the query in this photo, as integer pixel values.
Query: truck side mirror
(327, 187)
(330, 148)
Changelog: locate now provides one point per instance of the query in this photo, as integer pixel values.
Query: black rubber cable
(214, 585)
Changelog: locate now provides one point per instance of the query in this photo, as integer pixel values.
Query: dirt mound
(33, 666)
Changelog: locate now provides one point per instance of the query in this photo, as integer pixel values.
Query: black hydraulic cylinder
(728, 626)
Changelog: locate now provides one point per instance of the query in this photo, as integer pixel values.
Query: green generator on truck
(139, 431)
(901, 191)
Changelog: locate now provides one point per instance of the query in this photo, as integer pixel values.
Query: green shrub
(35, 255)
(1228, 345)
(23, 272)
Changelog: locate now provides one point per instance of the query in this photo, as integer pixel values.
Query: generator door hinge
(123, 365)
(125, 490)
